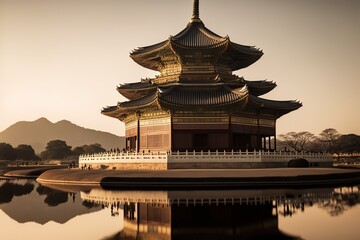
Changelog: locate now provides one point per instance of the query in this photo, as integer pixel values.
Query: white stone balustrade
(202, 156)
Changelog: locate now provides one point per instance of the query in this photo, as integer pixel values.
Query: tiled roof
(197, 35)
(246, 49)
(265, 103)
(258, 88)
(136, 85)
(199, 96)
(150, 48)
(139, 102)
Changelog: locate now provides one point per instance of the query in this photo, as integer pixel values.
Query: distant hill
(38, 133)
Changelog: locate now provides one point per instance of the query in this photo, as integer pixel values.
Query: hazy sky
(62, 59)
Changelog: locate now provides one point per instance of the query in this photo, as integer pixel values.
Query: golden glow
(62, 59)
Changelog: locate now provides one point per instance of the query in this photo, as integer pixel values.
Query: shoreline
(31, 172)
(189, 178)
(205, 178)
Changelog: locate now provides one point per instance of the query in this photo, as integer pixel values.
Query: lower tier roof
(216, 97)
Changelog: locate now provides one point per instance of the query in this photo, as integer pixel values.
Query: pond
(33, 211)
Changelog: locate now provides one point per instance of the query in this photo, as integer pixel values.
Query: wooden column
(275, 136)
(264, 140)
(171, 131)
(269, 142)
(138, 133)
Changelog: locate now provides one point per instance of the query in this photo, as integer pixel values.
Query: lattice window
(166, 140)
(154, 141)
(143, 142)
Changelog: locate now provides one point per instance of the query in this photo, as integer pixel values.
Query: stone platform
(203, 178)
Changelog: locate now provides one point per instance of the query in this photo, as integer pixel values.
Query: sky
(62, 59)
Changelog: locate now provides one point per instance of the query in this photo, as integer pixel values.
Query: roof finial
(195, 10)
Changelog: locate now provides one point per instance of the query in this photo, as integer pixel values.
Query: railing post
(216, 152)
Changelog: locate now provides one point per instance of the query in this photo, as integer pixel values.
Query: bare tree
(297, 141)
(329, 139)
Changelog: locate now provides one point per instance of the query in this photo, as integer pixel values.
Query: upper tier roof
(197, 37)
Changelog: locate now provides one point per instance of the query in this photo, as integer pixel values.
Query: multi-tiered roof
(196, 73)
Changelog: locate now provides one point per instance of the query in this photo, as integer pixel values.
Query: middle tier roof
(136, 90)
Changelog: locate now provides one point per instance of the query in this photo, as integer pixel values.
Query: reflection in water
(343, 199)
(142, 215)
(23, 204)
(9, 189)
(233, 214)
(53, 197)
(335, 203)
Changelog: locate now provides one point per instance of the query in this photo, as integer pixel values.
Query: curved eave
(242, 56)
(149, 57)
(278, 108)
(259, 88)
(122, 109)
(136, 90)
(148, 49)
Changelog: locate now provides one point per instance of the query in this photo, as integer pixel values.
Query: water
(33, 211)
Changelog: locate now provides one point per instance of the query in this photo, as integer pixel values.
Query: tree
(88, 149)
(329, 138)
(25, 152)
(297, 141)
(78, 151)
(348, 144)
(56, 149)
(7, 152)
(93, 148)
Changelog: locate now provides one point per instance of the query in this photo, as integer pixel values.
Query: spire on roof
(195, 16)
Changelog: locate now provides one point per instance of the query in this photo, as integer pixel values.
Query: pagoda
(196, 103)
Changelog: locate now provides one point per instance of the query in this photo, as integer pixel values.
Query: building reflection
(233, 214)
(200, 214)
(164, 221)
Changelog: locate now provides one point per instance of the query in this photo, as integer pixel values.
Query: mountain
(38, 133)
